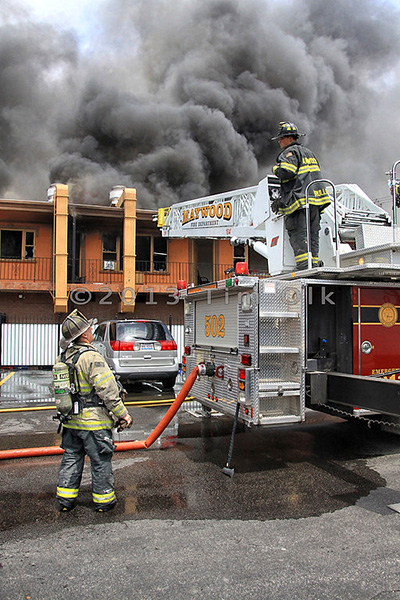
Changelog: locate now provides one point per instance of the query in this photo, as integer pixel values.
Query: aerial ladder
(244, 216)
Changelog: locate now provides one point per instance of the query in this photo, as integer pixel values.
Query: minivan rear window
(100, 333)
(141, 330)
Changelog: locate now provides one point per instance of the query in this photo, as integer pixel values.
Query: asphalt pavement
(305, 516)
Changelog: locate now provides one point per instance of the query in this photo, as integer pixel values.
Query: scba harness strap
(70, 398)
(83, 400)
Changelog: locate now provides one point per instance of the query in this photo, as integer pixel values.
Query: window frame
(118, 252)
(240, 253)
(151, 260)
(24, 244)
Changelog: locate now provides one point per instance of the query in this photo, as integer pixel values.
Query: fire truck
(324, 338)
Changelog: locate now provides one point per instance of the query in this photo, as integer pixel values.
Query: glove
(125, 423)
(275, 205)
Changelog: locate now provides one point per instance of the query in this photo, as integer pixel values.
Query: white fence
(178, 333)
(36, 344)
(29, 345)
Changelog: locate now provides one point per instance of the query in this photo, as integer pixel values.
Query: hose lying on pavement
(121, 446)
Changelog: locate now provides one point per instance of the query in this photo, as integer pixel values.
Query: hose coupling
(207, 369)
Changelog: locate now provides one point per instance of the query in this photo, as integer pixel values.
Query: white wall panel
(177, 332)
(29, 345)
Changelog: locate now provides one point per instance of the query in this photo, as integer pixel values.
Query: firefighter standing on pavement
(296, 167)
(89, 431)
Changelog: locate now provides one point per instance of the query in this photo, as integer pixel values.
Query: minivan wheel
(169, 382)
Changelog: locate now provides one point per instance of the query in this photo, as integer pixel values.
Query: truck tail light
(245, 359)
(244, 385)
(242, 379)
(187, 350)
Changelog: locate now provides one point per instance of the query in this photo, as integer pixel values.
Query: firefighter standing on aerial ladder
(296, 167)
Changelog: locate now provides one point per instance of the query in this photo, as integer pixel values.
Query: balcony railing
(172, 272)
(35, 270)
(164, 273)
(93, 271)
(197, 273)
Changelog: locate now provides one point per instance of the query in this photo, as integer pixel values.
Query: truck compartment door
(376, 330)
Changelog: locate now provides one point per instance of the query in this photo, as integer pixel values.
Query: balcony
(92, 271)
(169, 273)
(37, 274)
(157, 275)
(27, 274)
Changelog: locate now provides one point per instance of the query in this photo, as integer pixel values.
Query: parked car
(138, 350)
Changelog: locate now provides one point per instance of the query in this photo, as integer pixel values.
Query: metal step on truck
(326, 338)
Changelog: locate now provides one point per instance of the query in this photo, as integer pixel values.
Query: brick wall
(27, 307)
(37, 307)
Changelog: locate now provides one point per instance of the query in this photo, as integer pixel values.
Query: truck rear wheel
(169, 382)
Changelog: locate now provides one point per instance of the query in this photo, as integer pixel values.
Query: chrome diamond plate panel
(202, 319)
(281, 351)
(265, 321)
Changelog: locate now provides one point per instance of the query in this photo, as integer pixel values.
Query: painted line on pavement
(7, 377)
(141, 404)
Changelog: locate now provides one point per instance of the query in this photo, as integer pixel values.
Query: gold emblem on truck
(388, 315)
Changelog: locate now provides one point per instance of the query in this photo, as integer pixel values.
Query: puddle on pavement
(282, 473)
(25, 387)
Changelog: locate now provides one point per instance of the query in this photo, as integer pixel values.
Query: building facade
(109, 261)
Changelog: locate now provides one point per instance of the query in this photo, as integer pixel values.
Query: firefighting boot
(65, 507)
(106, 507)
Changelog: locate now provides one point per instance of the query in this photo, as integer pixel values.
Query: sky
(183, 103)
(70, 13)
(79, 14)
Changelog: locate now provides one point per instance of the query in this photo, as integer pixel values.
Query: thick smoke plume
(181, 100)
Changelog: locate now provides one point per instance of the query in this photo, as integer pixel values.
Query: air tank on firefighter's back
(61, 385)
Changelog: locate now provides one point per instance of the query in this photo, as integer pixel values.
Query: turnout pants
(296, 226)
(99, 446)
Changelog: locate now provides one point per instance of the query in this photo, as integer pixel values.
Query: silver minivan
(138, 350)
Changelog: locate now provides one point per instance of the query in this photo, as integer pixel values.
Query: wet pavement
(25, 387)
(306, 514)
(286, 473)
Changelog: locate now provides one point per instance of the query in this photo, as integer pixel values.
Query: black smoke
(181, 99)
(36, 66)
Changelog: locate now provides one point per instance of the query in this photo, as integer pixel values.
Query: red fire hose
(121, 446)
